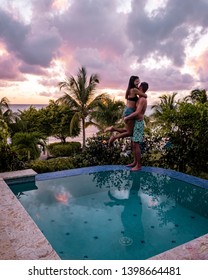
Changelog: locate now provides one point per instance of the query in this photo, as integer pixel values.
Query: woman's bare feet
(136, 168)
(111, 140)
(109, 129)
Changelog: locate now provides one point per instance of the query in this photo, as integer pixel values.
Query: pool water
(114, 215)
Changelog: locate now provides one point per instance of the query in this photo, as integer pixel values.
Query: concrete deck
(20, 238)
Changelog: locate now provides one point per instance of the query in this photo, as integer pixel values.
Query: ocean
(90, 131)
(22, 107)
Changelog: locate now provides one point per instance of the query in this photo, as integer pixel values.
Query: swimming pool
(111, 213)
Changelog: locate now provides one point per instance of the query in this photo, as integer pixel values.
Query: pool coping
(92, 169)
(20, 237)
(18, 231)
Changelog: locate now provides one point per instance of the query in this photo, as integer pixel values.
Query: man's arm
(138, 111)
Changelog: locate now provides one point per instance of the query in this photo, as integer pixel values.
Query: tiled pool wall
(20, 238)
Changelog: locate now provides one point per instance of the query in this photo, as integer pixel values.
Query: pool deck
(21, 239)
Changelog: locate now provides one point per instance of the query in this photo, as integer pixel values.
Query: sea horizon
(18, 106)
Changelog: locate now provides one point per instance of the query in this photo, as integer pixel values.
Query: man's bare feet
(111, 140)
(136, 168)
(131, 164)
(109, 129)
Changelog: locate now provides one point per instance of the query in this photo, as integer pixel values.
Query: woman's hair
(131, 85)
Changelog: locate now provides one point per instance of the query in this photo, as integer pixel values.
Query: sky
(164, 42)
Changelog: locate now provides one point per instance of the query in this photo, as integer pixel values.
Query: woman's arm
(139, 92)
(138, 112)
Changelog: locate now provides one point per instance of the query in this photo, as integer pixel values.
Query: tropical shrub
(189, 138)
(97, 152)
(64, 149)
(4, 133)
(9, 160)
(51, 165)
(27, 145)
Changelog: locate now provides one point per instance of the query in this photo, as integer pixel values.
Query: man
(138, 131)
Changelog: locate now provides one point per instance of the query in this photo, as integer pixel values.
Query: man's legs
(137, 157)
(136, 150)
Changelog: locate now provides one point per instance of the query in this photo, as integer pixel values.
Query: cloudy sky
(164, 42)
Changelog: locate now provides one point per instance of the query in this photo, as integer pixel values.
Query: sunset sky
(164, 42)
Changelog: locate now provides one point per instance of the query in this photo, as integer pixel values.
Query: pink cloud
(60, 36)
(200, 66)
(9, 69)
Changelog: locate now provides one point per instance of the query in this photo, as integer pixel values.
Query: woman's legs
(128, 131)
(113, 128)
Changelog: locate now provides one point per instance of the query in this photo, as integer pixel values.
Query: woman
(131, 96)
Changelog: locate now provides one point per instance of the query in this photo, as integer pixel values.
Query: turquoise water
(116, 214)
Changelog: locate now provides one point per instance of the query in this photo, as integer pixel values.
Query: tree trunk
(28, 155)
(83, 134)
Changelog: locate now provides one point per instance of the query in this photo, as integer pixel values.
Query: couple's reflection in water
(131, 215)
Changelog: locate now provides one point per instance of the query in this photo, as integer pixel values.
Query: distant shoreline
(16, 107)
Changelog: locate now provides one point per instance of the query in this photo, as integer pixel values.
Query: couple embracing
(134, 119)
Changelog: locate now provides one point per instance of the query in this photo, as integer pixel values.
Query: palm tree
(27, 144)
(164, 110)
(79, 96)
(5, 112)
(4, 105)
(107, 113)
(166, 102)
(197, 95)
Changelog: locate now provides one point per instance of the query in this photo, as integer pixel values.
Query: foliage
(5, 112)
(167, 102)
(53, 120)
(197, 95)
(189, 139)
(4, 105)
(51, 165)
(4, 133)
(58, 117)
(97, 152)
(27, 145)
(9, 160)
(64, 149)
(107, 113)
(26, 121)
(79, 96)
(176, 134)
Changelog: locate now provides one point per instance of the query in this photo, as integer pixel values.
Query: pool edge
(20, 238)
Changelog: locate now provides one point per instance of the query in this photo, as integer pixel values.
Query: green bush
(4, 133)
(51, 165)
(64, 149)
(9, 160)
(97, 152)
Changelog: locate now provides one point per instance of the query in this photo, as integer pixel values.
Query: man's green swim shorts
(138, 132)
